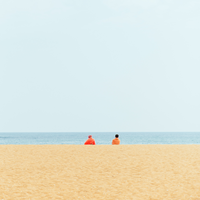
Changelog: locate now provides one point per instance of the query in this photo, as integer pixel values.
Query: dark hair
(116, 135)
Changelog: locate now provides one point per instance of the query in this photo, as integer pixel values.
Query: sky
(95, 66)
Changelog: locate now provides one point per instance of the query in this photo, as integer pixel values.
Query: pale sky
(107, 65)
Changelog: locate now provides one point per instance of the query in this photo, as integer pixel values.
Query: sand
(100, 172)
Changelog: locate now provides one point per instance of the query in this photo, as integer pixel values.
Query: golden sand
(100, 172)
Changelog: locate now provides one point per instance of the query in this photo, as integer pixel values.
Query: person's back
(116, 141)
(90, 141)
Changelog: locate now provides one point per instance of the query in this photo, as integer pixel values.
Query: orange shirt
(90, 141)
(116, 141)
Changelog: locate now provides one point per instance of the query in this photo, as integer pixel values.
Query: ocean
(78, 138)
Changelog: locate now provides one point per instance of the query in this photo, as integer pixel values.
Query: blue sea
(100, 138)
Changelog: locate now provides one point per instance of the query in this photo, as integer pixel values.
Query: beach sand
(100, 172)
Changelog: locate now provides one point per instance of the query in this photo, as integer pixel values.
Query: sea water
(101, 138)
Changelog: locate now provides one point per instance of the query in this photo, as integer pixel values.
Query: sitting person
(116, 140)
(90, 141)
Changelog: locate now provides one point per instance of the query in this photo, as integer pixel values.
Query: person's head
(116, 136)
(89, 136)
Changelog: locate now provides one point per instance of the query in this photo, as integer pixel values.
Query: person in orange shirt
(90, 141)
(116, 140)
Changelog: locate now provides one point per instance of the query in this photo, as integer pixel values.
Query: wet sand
(100, 172)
